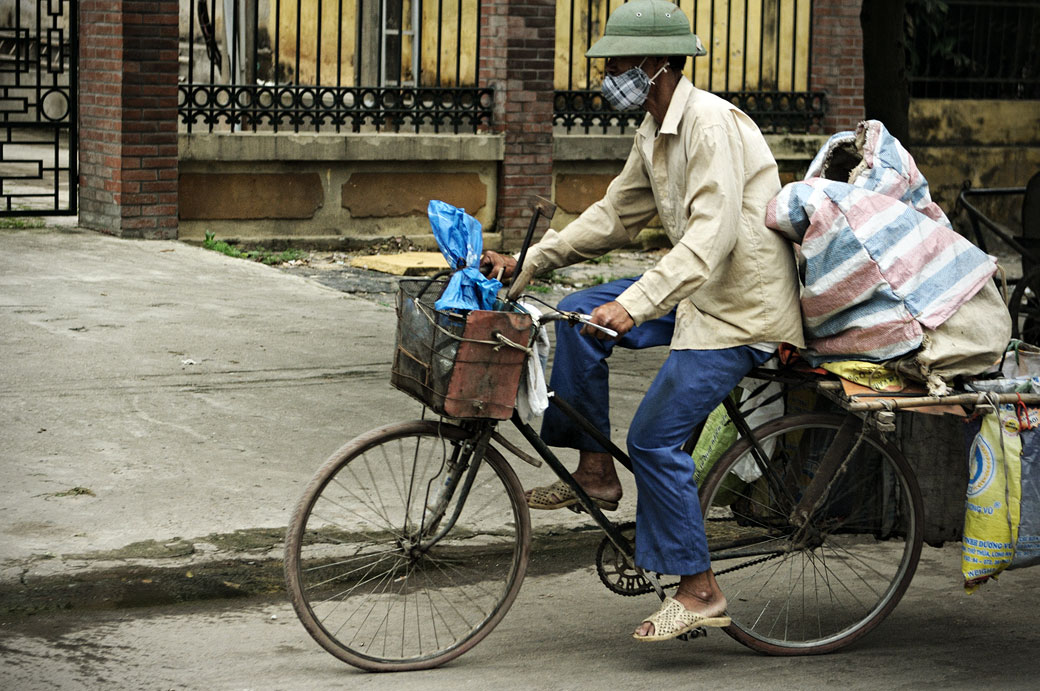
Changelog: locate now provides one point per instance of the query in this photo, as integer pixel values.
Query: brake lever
(587, 320)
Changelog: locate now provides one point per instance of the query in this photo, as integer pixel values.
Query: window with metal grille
(984, 49)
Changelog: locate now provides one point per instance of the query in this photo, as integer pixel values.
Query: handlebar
(585, 319)
(570, 317)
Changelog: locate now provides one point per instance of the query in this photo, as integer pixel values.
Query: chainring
(622, 577)
(616, 571)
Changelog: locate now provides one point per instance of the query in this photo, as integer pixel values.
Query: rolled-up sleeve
(713, 203)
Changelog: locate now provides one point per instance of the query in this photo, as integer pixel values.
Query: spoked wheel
(816, 589)
(1024, 306)
(386, 573)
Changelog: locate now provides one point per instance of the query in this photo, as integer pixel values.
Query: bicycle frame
(467, 459)
(831, 467)
(605, 524)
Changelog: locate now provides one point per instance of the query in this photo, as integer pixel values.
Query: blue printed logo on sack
(981, 465)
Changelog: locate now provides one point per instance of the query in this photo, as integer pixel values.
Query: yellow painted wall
(335, 17)
(741, 40)
(984, 143)
(449, 21)
(744, 51)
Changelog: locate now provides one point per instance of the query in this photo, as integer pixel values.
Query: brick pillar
(517, 45)
(837, 62)
(128, 117)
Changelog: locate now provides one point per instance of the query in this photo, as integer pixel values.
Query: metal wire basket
(458, 365)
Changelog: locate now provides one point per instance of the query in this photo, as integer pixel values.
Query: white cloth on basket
(532, 398)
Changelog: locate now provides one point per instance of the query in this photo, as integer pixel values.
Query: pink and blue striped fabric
(879, 265)
(886, 168)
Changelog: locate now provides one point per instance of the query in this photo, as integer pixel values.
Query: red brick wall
(128, 117)
(837, 61)
(516, 58)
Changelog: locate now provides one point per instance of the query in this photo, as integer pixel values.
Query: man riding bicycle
(722, 298)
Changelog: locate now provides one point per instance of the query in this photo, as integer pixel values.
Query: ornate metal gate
(38, 53)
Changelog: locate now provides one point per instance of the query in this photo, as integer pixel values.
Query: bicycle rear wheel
(815, 590)
(365, 571)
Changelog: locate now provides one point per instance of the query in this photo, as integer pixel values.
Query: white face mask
(630, 88)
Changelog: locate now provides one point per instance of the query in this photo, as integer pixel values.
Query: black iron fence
(772, 111)
(360, 65)
(985, 49)
(313, 65)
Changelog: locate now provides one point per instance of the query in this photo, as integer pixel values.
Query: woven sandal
(559, 496)
(674, 620)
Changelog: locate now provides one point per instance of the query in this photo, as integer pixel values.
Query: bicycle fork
(461, 471)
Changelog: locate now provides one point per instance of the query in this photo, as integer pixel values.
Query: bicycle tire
(358, 583)
(838, 581)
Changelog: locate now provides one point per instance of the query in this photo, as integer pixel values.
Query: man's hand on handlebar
(495, 265)
(500, 266)
(611, 315)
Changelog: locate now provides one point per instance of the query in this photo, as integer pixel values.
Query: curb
(191, 570)
(79, 582)
(142, 585)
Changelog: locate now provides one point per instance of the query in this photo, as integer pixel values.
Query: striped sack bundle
(881, 261)
(878, 163)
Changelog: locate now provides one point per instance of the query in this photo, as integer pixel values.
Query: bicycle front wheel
(388, 575)
(813, 589)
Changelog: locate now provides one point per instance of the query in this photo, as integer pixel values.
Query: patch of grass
(603, 259)
(550, 277)
(264, 256)
(21, 222)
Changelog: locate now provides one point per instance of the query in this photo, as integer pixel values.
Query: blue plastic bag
(459, 237)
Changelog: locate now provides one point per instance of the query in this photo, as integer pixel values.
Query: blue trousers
(690, 384)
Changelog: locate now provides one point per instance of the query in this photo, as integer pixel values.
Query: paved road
(163, 407)
(565, 631)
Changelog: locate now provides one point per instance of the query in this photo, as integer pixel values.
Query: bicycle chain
(747, 564)
(621, 577)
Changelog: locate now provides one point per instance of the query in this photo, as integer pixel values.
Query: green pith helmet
(646, 27)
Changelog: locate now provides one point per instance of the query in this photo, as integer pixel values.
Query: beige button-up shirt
(707, 172)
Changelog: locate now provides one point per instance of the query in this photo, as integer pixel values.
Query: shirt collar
(676, 107)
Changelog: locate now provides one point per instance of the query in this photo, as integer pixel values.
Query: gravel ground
(333, 269)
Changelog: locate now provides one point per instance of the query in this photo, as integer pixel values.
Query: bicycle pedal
(693, 633)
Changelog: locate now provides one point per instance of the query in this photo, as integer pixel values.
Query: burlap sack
(969, 343)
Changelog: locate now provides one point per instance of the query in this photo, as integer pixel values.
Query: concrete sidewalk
(165, 405)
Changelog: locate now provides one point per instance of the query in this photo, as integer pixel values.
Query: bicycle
(411, 542)
(1024, 302)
